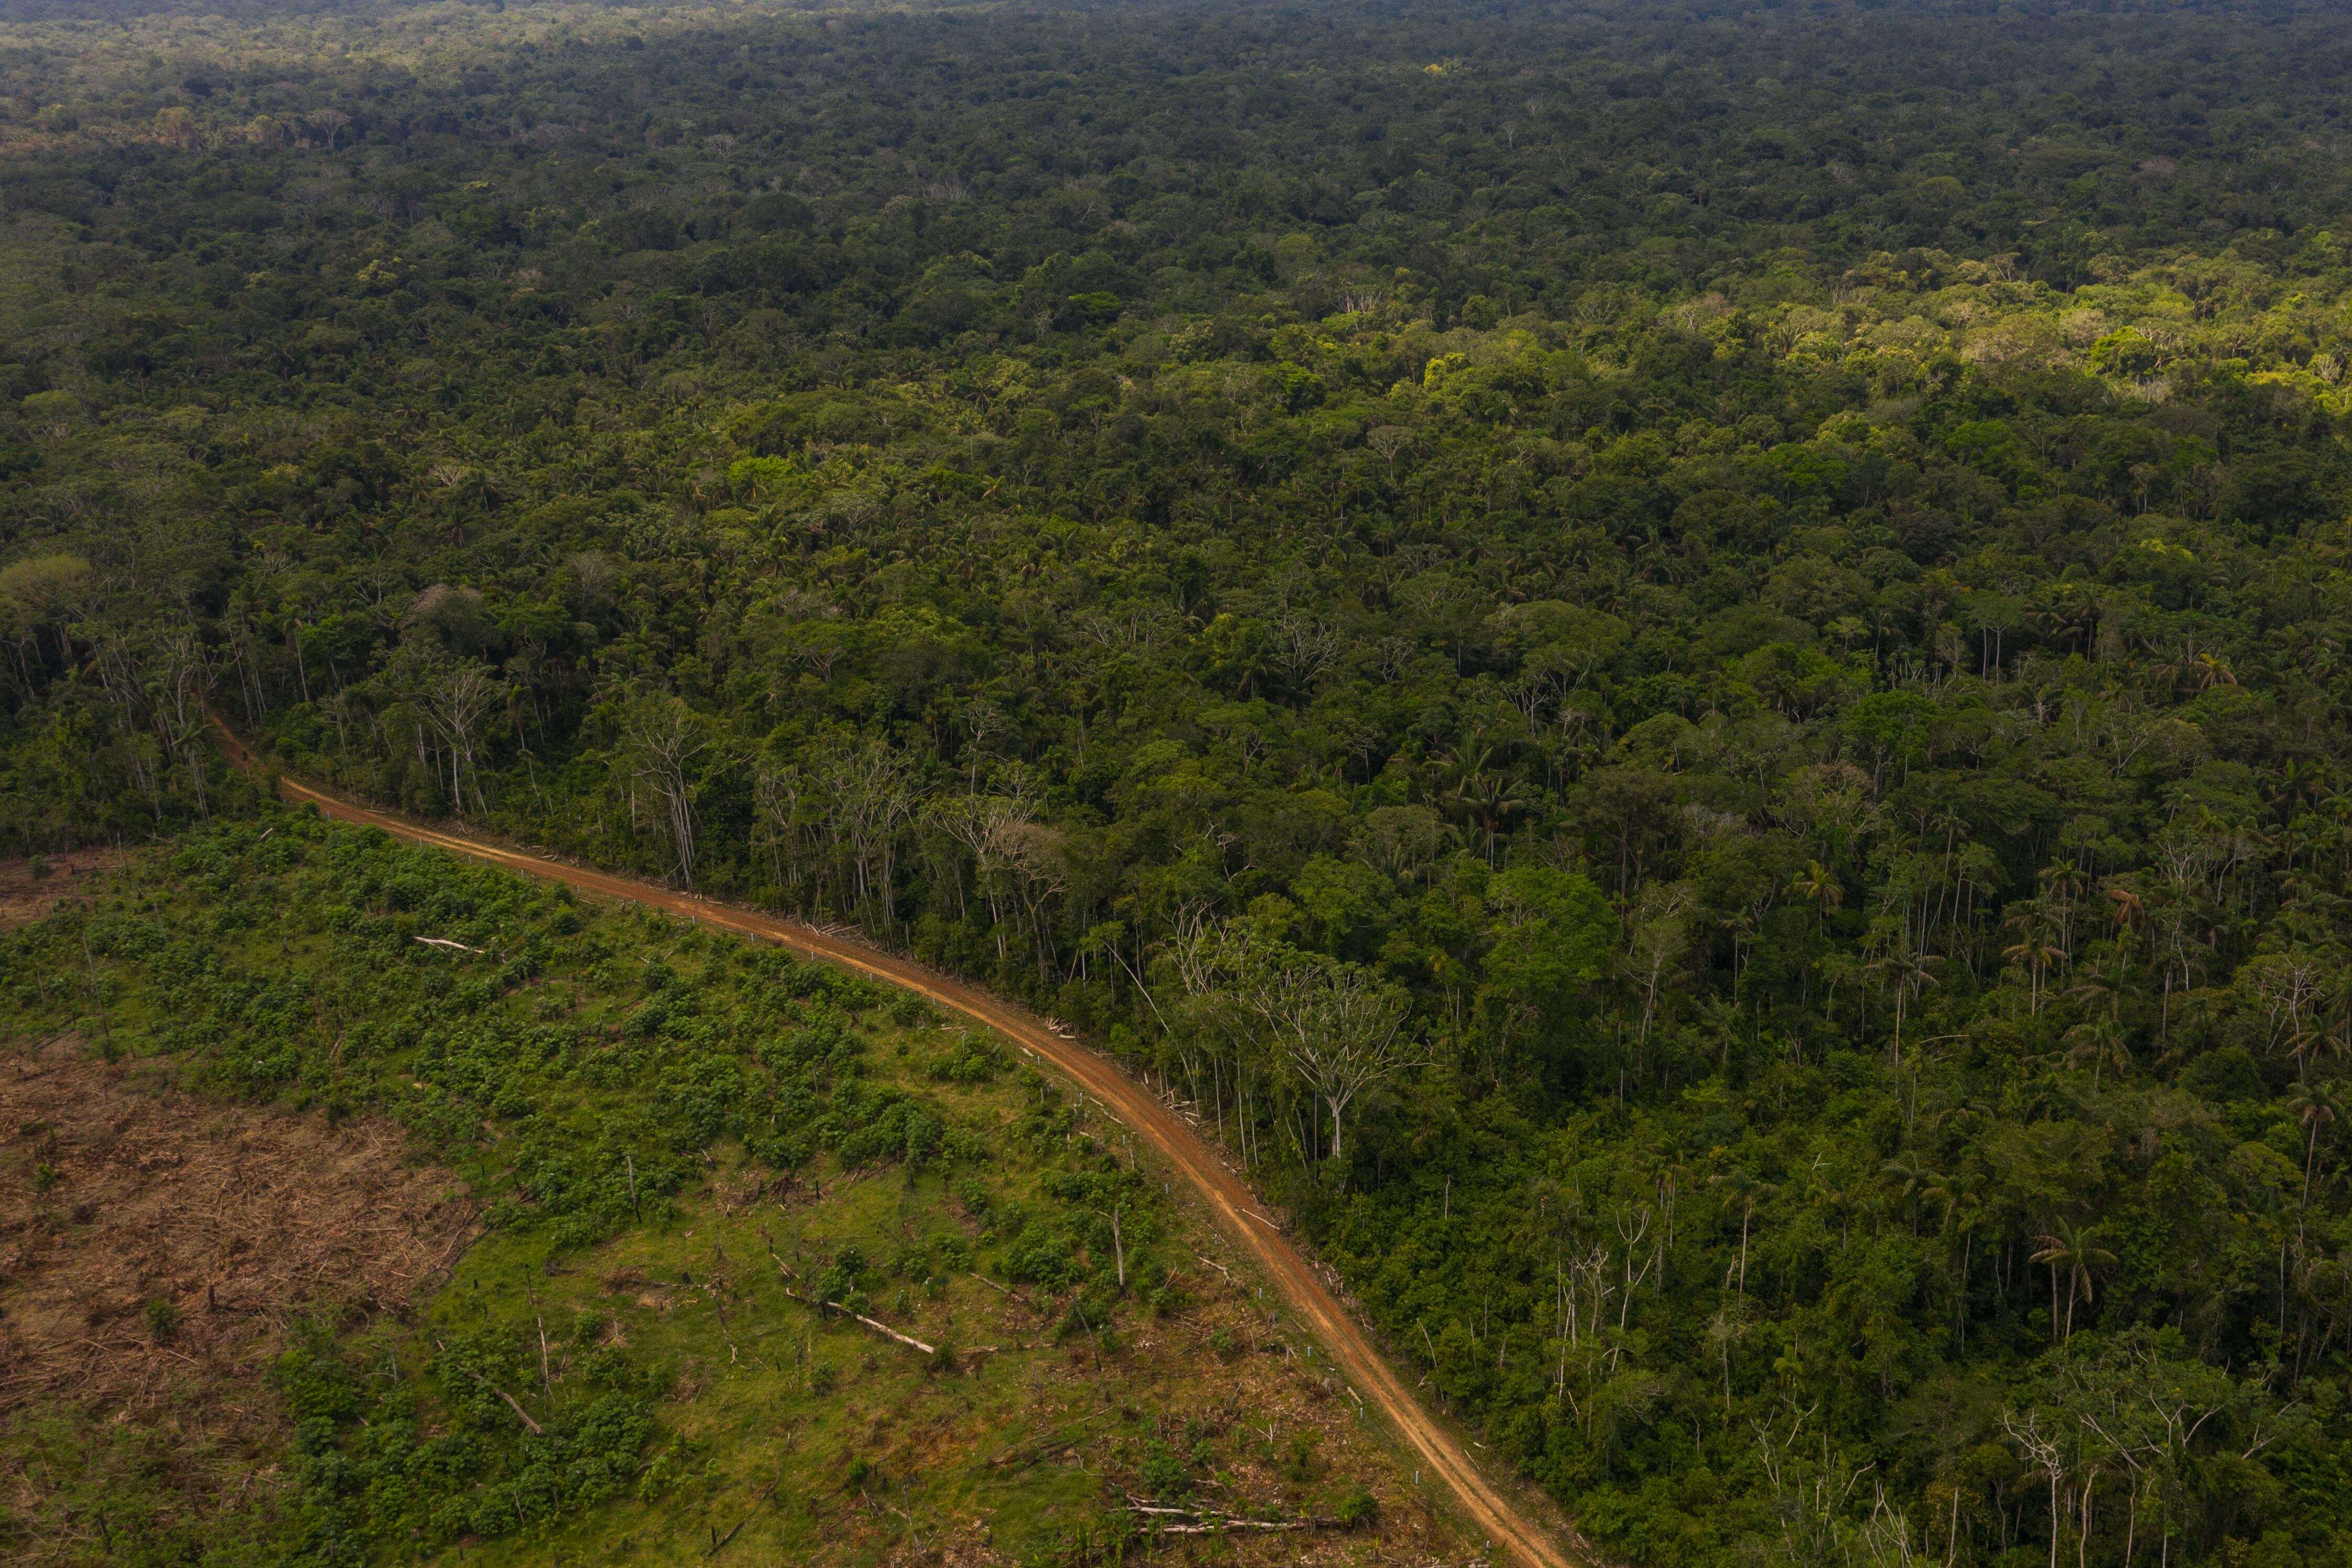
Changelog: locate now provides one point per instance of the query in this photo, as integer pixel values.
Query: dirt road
(1129, 1102)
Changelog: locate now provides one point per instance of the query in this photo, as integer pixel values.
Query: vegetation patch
(710, 1246)
(1686, 671)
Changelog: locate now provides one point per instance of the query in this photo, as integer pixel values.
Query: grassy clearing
(675, 1146)
(809, 1437)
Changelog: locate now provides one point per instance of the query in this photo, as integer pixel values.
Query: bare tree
(783, 787)
(1040, 865)
(662, 736)
(1304, 648)
(1810, 1497)
(1339, 1027)
(2041, 1453)
(1017, 860)
(179, 677)
(1659, 941)
(981, 824)
(455, 695)
(870, 791)
(1387, 440)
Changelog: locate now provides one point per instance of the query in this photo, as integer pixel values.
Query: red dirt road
(1235, 1210)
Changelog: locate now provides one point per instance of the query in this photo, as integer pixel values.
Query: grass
(671, 1137)
(800, 1435)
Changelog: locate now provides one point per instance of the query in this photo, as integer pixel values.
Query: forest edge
(1232, 1204)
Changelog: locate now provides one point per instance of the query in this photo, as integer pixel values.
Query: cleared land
(169, 1248)
(31, 889)
(1235, 1209)
(157, 1244)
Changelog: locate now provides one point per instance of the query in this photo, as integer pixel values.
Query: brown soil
(153, 1246)
(24, 898)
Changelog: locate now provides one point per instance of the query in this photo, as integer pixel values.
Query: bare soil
(64, 879)
(153, 1246)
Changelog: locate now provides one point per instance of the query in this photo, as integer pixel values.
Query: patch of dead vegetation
(32, 889)
(153, 1246)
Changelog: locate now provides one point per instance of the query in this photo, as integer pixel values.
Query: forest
(1718, 635)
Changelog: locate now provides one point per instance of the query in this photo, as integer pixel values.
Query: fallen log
(718, 1543)
(886, 1332)
(1038, 1446)
(1007, 1289)
(1208, 1523)
(523, 1414)
(520, 1414)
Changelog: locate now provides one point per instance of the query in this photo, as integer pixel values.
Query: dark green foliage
(1763, 593)
(386, 1483)
(1165, 1476)
(163, 1320)
(975, 1058)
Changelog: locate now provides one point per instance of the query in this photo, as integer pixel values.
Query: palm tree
(2131, 917)
(2336, 1036)
(1724, 1329)
(2062, 883)
(1490, 798)
(2035, 949)
(2075, 1252)
(2301, 1047)
(1911, 972)
(2099, 994)
(1820, 889)
(1841, 1202)
(2100, 1042)
(2316, 1106)
(1960, 1194)
(1912, 1184)
(1744, 1192)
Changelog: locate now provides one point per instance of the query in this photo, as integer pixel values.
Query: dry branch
(1209, 1524)
(886, 1332)
(520, 1414)
(1031, 1449)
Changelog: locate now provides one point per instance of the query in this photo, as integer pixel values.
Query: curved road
(1140, 1109)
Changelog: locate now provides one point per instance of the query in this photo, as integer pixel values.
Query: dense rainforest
(1684, 665)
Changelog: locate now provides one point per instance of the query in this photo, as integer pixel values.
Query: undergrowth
(680, 1146)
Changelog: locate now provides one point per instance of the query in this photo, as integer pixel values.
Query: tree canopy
(1686, 667)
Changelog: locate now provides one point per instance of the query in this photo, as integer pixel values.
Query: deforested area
(1677, 672)
(382, 1207)
(160, 1242)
